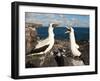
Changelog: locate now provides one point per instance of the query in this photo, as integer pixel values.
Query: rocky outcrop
(66, 59)
(30, 36)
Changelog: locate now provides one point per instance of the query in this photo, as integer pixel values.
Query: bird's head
(54, 24)
(69, 29)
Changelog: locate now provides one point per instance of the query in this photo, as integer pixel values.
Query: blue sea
(81, 33)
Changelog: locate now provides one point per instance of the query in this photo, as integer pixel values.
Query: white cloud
(47, 18)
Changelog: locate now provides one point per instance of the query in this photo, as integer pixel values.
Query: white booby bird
(74, 45)
(45, 45)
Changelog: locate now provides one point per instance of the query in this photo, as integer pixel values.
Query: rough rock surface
(68, 58)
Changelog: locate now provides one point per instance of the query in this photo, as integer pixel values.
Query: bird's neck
(51, 34)
(72, 38)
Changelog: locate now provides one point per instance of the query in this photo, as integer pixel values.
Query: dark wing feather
(41, 49)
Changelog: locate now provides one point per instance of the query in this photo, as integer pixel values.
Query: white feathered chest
(74, 46)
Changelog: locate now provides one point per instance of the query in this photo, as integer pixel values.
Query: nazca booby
(44, 46)
(74, 45)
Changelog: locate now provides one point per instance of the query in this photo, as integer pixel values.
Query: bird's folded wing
(42, 43)
(41, 49)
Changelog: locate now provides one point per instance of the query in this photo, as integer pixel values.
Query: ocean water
(81, 33)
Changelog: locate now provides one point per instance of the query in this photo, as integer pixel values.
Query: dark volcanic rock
(85, 52)
(30, 39)
(63, 48)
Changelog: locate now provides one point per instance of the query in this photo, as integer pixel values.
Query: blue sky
(62, 19)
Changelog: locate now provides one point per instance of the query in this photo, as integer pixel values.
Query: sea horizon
(81, 33)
